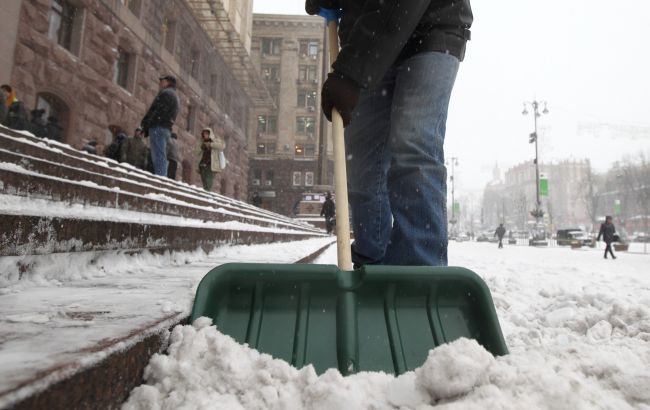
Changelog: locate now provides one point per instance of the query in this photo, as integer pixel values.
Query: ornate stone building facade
(510, 200)
(95, 64)
(288, 138)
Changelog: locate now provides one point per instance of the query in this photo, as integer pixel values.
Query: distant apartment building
(511, 199)
(94, 64)
(284, 151)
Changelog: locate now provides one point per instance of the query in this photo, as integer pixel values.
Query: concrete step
(84, 343)
(53, 152)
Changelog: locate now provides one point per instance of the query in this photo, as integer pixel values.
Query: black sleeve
(377, 38)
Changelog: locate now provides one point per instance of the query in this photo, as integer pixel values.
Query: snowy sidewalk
(75, 310)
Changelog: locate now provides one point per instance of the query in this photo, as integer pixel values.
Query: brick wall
(82, 80)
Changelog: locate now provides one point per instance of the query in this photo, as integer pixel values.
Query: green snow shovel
(377, 318)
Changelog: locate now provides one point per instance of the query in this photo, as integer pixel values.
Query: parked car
(641, 237)
(565, 237)
(482, 238)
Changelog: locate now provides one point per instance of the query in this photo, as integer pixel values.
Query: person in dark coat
(329, 212)
(392, 83)
(3, 106)
(37, 124)
(158, 121)
(16, 115)
(256, 199)
(134, 151)
(172, 156)
(53, 128)
(113, 150)
(608, 232)
(500, 233)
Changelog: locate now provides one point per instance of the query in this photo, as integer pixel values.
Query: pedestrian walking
(500, 232)
(391, 83)
(608, 232)
(329, 212)
(172, 156)
(210, 162)
(134, 151)
(37, 124)
(16, 117)
(158, 121)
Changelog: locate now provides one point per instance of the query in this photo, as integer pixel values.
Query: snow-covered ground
(577, 326)
(65, 312)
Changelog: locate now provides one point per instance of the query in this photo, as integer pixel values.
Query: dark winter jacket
(113, 150)
(37, 125)
(16, 116)
(163, 110)
(53, 129)
(375, 34)
(328, 210)
(134, 151)
(607, 231)
(500, 232)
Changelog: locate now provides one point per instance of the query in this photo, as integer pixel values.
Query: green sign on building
(617, 207)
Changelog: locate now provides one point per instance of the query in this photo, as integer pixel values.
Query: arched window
(57, 114)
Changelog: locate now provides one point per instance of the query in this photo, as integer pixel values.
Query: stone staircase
(116, 206)
(59, 202)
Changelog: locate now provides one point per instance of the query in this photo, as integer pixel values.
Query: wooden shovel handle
(340, 176)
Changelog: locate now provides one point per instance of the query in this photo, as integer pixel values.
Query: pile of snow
(578, 330)
(206, 369)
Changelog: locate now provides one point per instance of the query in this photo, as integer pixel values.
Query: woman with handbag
(212, 159)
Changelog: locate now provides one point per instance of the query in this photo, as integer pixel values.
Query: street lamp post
(453, 162)
(537, 213)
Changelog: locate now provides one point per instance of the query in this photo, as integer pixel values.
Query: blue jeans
(158, 138)
(395, 164)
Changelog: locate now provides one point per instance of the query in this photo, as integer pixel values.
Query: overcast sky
(585, 58)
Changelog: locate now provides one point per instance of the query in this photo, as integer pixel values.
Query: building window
(195, 61)
(305, 126)
(169, 34)
(257, 177)
(267, 124)
(122, 68)
(271, 73)
(309, 179)
(268, 180)
(65, 25)
(133, 5)
(297, 178)
(265, 148)
(191, 118)
(299, 150)
(307, 99)
(310, 150)
(271, 46)
(307, 73)
(309, 48)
